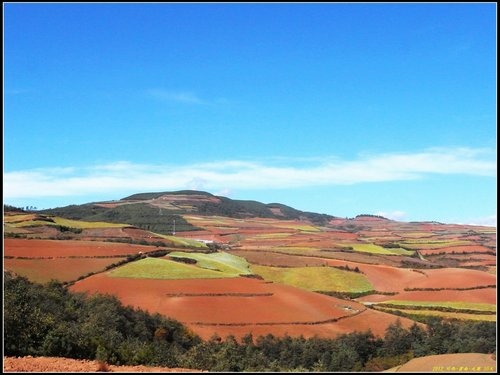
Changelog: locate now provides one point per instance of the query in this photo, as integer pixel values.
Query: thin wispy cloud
(393, 215)
(489, 221)
(17, 91)
(239, 174)
(186, 97)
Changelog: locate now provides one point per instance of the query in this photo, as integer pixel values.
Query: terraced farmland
(375, 249)
(239, 306)
(52, 248)
(60, 269)
(451, 305)
(220, 261)
(326, 279)
(154, 268)
(220, 291)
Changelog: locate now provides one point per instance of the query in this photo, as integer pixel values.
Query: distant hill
(140, 215)
(157, 211)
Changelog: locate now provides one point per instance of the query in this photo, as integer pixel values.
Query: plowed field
(239, 305)
(61, 269)
(53, 248)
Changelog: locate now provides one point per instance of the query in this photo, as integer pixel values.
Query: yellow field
(325, 279)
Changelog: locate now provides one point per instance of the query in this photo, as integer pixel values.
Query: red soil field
(376, 321)
(369, 319)
(454, 278)
(469, 259)
(451, 363)
(92, 233)
(208, 235)
(53, 248)
(126, 232)
(456, 249)
(62, 269)
(66, 365)
(284, 305)
(42, 231)
(384, 278)
(340, 235)
(249, 305)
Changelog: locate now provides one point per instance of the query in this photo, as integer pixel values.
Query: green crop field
(157, 268)
(445, 314)
(221, 261)
(437, 304)
(67, 223)
(376, 249)
(17, 218)
(297, 226)
(325, 279)
(86, 224)
(186, 242)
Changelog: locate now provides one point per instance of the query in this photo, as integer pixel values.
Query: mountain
(157, 211)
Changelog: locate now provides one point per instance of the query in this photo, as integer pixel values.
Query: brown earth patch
(459, 362)
(369, 319)
(383, 278)
(53, 248)
(274, 308)
(59, 364)
(456, 249)
(61, 269)
(454, 278)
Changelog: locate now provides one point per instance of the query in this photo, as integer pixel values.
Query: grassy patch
(86, 224)
(186, 242)
(297, 226)
(315, 278)
(157, 268)
(20, 222)
(482, 307)
(17, 218)
(443, 314)
(221, 261)
(376, 249)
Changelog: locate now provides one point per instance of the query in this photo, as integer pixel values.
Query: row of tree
(48, 320)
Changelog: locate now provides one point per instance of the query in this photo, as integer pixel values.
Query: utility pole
(173, 232)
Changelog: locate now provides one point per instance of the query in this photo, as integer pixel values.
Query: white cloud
(489, 221)
(126, 176)
(393, 215)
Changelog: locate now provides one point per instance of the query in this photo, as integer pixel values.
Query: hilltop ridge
(157, 210)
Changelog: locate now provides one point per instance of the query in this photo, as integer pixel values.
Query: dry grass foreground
(460, 362)
(57, 364)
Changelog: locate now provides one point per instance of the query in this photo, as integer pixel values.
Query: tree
(396, 340)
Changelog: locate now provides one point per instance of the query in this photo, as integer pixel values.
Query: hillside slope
(157, 212)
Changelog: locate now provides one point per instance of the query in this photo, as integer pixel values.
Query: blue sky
(334, 108)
